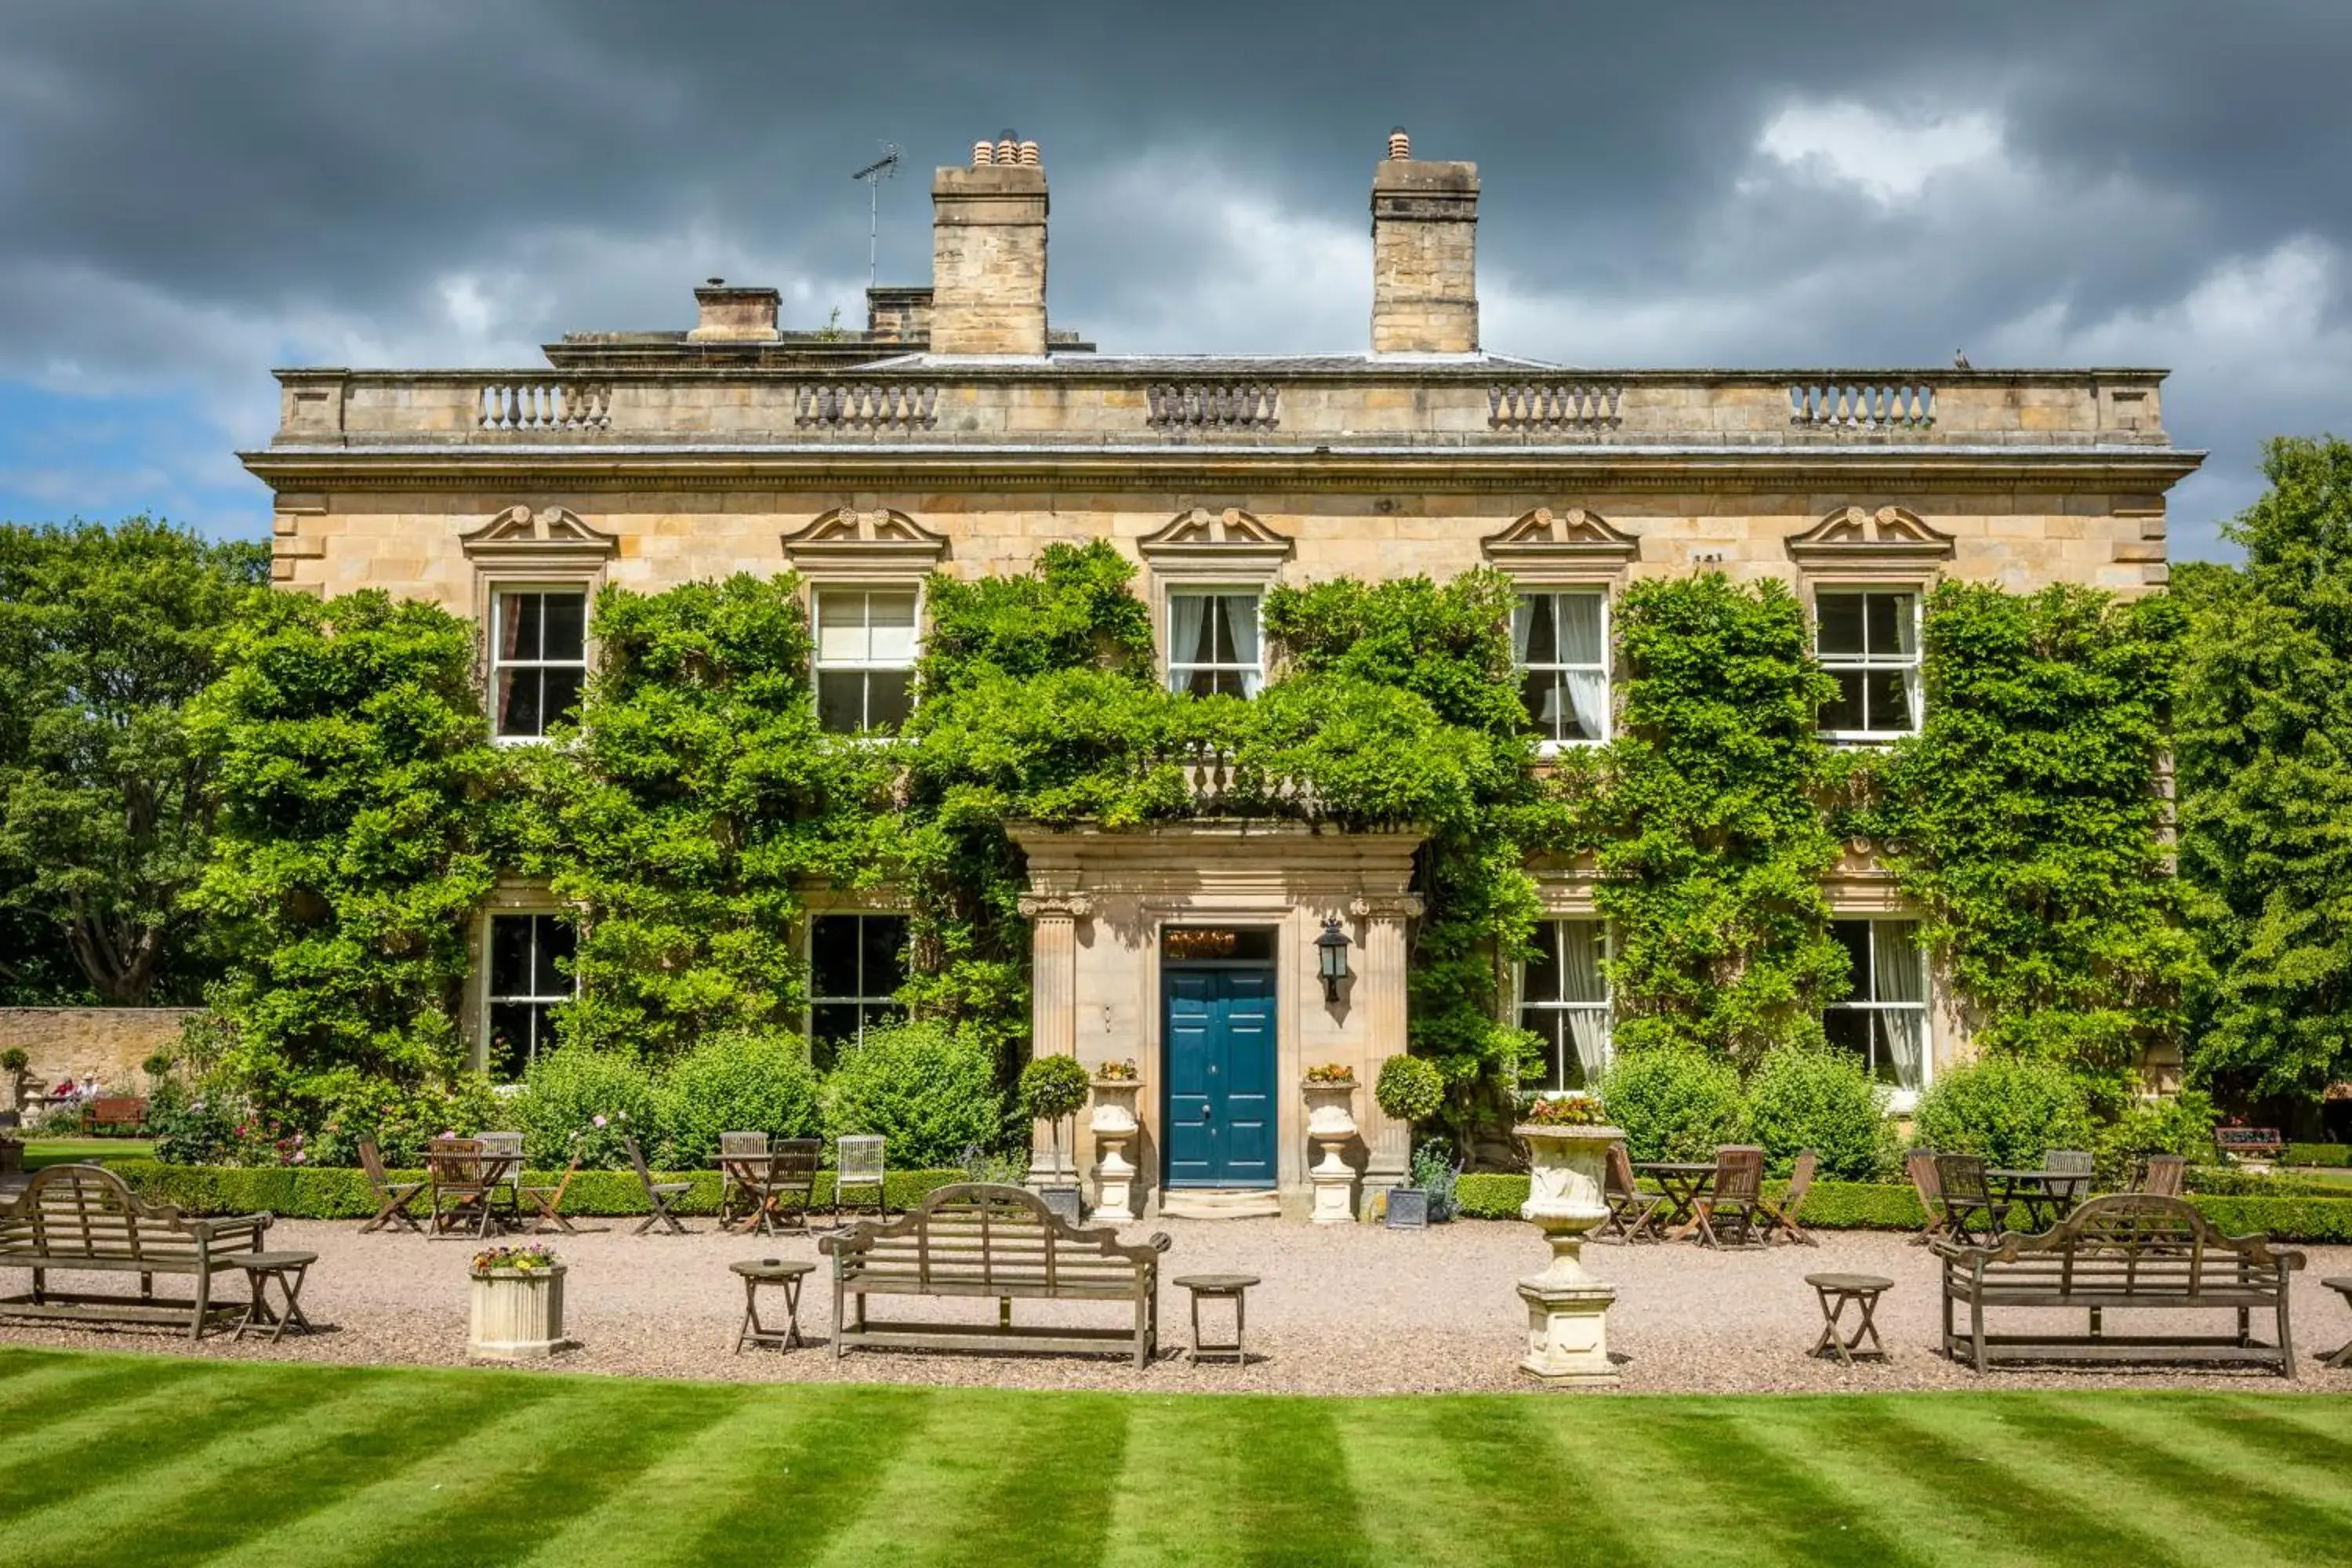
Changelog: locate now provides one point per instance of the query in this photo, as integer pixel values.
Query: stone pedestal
(1330, 1128)
(1568, 1321)
(1114, 1125)
(518, 1314)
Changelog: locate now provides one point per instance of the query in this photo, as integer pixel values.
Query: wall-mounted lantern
(1331, 958)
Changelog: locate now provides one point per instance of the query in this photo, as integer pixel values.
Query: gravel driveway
(1343, 1310)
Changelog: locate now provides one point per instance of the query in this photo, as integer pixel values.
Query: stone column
(1053, 1009)
(1380, 991)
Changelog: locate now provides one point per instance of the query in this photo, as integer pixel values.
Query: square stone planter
(518, 1314)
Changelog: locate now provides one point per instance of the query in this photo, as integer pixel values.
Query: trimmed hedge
(1868, 1205)
(331, 1194)
(2317, 1154)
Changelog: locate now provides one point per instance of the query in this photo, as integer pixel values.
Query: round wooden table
(756, 1272)
(1232, 1287)
(1836, 1291)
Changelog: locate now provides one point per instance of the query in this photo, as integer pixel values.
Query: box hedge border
(2317, 1154)
(1862, 1205)
(340, 1193)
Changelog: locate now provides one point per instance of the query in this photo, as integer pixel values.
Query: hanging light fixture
(1331, 958)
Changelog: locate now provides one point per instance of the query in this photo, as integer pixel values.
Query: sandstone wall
(110, 1042)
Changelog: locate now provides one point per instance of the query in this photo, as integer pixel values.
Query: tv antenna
(874, 174)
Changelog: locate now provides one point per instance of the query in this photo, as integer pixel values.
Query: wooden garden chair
(392, 1197)
(2072, 1162)
(509, 1186)
(549, 1200)
(1781, 1218)
(792, 1176)
(2160, 1174)
(659, 1196)
(1633, 1212)
(453, 1167)
(1919, 1164)
(732, 1191)
(858, 1162)
(1737, 1190)
(1971, 1211)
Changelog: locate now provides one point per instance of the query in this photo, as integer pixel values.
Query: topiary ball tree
(1410, 1089)
(1052, 1088)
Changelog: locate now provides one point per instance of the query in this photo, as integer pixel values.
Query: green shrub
(737, 1082)
(2317, 1154)
(597, 1097)
(2177, 1124)
(1802, 1097)
(1675, 1104)
(932, 1093)
(1410, 1088)
(403, 1120)
(2007, 1110)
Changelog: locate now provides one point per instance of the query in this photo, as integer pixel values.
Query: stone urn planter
(518, 1307)
(1330, 1128)
(1114, 1125)
(1568, 1323)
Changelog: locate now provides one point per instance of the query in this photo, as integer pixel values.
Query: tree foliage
(2265, 780)
(106, 801)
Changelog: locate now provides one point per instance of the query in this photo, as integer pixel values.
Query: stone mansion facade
(959, 434)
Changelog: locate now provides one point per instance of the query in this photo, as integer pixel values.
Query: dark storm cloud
(192, 192)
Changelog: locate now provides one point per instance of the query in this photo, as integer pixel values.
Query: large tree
(106, 806)
(2265, 718)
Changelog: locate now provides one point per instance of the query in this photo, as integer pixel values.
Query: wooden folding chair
(858, 1162)
(454, 1167)
(731, 1191)
(2072, 1162)
(1633, 1212)
(1969, 1210)
(659, 1196)
(549, 1200)
(1919, 1164)
(1737, 1189)
(2160, 1174)
(507, 1145)
(792, 1175)
(392, 1197)
(1781, 1218)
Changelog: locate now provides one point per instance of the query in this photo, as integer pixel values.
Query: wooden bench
(2249, 1142)
(83, 1220)
(2134, 1249)
(120, 1113)
(980, 1239)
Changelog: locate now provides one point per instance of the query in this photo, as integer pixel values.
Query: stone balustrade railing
(1331, 404)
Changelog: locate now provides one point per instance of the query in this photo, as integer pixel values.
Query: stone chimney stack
(724, 315)
(987, 252)
(1425, 254)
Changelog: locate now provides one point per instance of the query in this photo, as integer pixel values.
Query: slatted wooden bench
(2131, 1250)
(980, 1239)
(83, 1220)
(2250, 1143)
(118, 1114)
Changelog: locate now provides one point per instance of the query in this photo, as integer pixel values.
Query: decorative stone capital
(1055, 906)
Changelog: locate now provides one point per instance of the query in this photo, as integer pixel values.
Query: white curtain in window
(1188, 618)
(1906, 641)
(1523, 626)
(892, 619)
(1898, 974)
(1240, 620)
(1588, 693)
(841, 627)
(1580, 628)
(1588, 1030)
(1581, 980)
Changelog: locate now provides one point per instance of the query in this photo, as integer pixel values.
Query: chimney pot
(1399, 144)
(983, 154)
(1028, 154)
(1008, 151)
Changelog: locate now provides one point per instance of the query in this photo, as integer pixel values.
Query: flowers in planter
(534, 1258)
(1564, 1110)
(1117, 1072)
(1330, 1072)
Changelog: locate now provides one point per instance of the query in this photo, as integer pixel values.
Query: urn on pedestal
(1114, 1124)
(517, 1304)
(1330, 1091)
(1568, 1321)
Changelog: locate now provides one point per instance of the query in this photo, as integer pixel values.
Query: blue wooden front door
(1220, 1107)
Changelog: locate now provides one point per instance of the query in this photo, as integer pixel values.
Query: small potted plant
(518, 1303)
(1052, 1090)
(1410, 1090)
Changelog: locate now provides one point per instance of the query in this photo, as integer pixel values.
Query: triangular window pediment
(1558, 536)
(1859, 536)
(553, 538)
(865, 539)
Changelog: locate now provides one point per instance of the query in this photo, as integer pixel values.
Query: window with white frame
(1868, 641)
(539, 658)
(531, 976)
(1212, 643)
(866, 646)
(1561, 643)
(1884, 1019)
(857, 964)
(1564, 1002)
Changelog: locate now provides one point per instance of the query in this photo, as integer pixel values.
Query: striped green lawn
(40, 1152)
(158, 1460)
